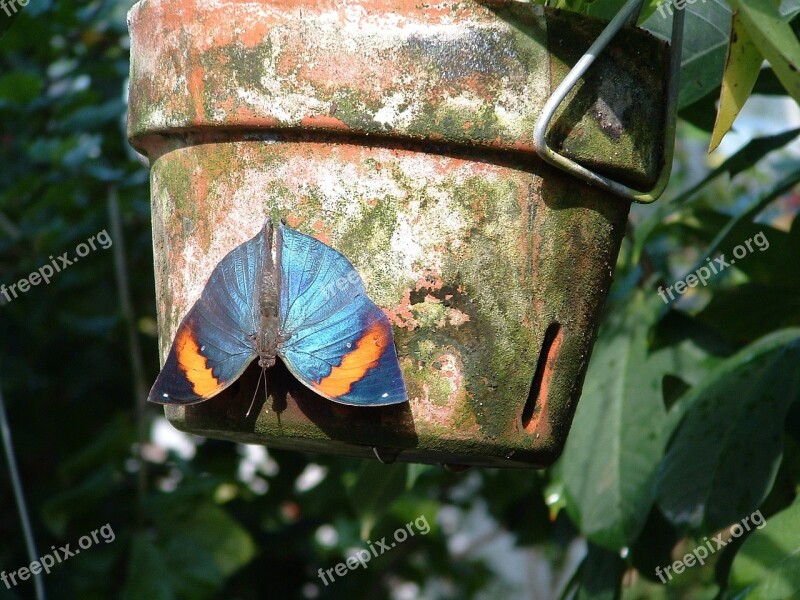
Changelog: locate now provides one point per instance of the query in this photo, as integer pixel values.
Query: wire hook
(626, 15)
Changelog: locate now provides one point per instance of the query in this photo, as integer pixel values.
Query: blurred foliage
(688, 423)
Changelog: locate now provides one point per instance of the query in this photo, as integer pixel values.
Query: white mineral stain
(398, 110)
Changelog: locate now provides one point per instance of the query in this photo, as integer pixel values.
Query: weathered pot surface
(399, 133)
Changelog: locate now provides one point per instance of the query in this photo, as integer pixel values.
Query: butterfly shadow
(289, 406)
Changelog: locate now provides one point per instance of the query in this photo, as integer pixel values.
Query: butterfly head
(265, 361)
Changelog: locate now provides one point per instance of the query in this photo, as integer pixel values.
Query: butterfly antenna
(258, 383)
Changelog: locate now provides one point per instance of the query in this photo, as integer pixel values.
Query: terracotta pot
(400, 134)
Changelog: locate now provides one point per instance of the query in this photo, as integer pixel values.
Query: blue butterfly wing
(340, 344)
(212, 346)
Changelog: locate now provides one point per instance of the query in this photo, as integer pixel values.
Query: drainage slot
(544, 371)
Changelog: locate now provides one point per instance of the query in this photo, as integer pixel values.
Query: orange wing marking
(194, 364)
(357, 362)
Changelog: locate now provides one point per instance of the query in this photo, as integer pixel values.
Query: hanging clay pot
(399, 133)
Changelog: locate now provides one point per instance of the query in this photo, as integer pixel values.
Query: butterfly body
(284, 294)
(268, 337)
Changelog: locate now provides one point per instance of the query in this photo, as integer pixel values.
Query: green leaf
(578, 6)
(654, 547)
(606, 9)
(613, 450)
(195, 552)
(92, 118)
(8, 15)
(704, 45)
(770, 299)
(752, 310)
(774, 38)
(113, 442)
(415, 470)
(745, 158)
(742, 65)
(601, 575)
(766, 263)
(703, 113)
(80, 500)
(376, 487)
(211, 528)
(194, 572)
(768, 564)
(726, 237)
(19, 88)
(689, 349)
(518, 504)
(148, 573)
(724, 455)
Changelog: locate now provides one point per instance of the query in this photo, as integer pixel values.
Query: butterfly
(299, 300)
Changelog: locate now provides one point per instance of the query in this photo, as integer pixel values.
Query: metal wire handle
(628, 13)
